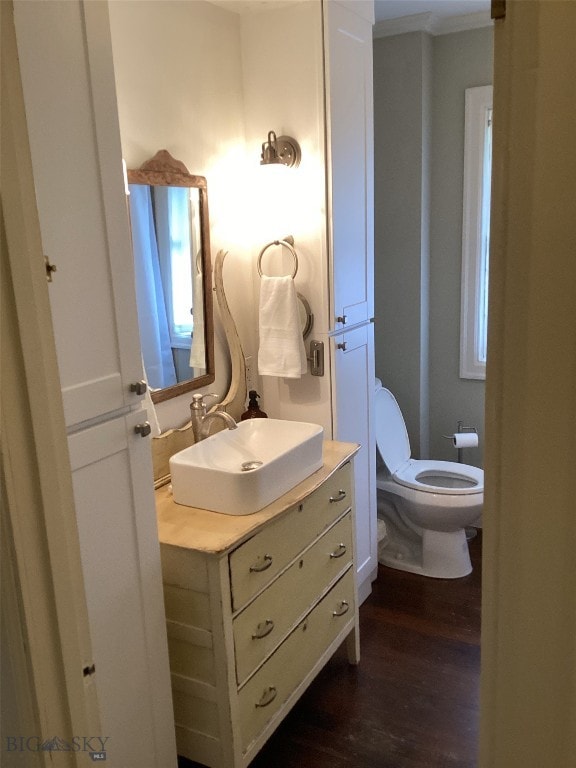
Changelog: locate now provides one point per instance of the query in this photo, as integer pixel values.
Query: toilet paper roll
(465, 439)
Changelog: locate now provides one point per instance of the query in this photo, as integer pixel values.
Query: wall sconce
(280, 150)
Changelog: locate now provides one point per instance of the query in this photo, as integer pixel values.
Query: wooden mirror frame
(165, 171)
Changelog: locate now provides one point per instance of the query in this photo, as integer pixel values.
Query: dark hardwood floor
(412, 702)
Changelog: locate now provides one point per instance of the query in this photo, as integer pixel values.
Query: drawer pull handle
(339, 551)
(262, 566)
(267, 697)
(339, 496)
(342, 609)
(263, 629)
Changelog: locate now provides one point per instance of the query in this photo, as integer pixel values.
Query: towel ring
(288, 245)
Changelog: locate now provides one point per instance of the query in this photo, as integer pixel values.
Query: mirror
(171, 245)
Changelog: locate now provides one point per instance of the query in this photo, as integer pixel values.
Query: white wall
(179, 83)
(284, 91)
(208, 84)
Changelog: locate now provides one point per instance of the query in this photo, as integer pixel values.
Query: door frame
(528, 680)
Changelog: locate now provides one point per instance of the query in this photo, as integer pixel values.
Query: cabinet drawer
(256, 562)
(270, 688)
(268, 619)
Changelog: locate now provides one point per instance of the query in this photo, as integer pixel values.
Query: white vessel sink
(239, 471)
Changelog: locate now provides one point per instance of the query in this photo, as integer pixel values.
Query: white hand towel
(281, 351)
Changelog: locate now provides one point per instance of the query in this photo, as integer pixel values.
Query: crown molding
(432, 24)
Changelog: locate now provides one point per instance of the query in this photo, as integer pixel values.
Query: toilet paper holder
(461, 429)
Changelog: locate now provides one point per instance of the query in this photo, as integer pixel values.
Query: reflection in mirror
(171, 244)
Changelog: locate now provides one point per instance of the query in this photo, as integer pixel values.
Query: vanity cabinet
(255, 606)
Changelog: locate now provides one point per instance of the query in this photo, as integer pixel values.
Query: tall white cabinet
(350, 159)
(68, 82)
(324, 61)
(350, 204)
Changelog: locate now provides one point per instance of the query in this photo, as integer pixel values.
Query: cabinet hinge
(498, 9)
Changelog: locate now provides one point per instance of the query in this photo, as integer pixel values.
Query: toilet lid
(441, 477)
(391, 435)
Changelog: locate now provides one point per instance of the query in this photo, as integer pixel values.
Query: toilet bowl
(425, 504)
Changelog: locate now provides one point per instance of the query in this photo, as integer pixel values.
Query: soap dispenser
(253, 411)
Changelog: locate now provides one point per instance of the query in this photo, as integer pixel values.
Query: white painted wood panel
(121, 565)
(354, 384)
(192, 709)
(187, 606)
(183, 568)
(206, 749)
(349, 114)
(69, 95)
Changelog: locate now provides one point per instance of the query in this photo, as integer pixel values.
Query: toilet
(425, 505)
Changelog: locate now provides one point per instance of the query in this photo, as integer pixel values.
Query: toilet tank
(391, 434)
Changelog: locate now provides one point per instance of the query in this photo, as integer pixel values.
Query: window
(172, 216)
(476, 232)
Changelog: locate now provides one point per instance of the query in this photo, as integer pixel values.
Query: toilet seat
(442, 478)
(446, 478)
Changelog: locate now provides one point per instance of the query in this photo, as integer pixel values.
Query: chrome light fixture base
(280, 150)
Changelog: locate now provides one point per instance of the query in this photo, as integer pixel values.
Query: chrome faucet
(226, 418)
(201, 420)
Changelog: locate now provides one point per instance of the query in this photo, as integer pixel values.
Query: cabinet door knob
(268, 696)
(341, 319)
(341, 345)
(340, 496)
(139, 387)
(263, 565)
(343, 608)
(339, 551)
(263, 629)
(143, 429)
(50, 269)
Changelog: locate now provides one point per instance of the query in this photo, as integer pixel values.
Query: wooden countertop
(213, 532)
